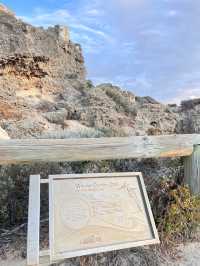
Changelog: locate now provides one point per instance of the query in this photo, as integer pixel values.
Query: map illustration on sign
(97, 212)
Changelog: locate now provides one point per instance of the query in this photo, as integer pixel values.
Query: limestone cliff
(43, 91)
(36, 66)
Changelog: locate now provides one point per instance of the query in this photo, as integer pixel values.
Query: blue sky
(151, 47)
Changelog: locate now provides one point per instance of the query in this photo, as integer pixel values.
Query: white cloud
(91, 30)
(89, 36)
(153, 32)
(185, 94)
(94, 12)
(130, 3)
(100, 80)
(42, 18)
(172, 13)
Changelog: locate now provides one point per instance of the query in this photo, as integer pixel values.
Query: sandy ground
(189, 256)
(13, 262)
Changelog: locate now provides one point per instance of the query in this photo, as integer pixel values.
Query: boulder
(3, 134)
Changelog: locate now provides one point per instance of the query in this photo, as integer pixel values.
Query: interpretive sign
(92, 213)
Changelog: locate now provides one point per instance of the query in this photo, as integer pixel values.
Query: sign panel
(98, 212)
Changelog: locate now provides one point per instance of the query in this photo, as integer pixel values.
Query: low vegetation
(120, 100)
(177, 212)
(68, 134)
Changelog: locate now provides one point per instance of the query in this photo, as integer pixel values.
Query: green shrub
(89, 84)
(177, 212)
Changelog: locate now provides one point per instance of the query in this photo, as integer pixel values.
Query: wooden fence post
(192, 170)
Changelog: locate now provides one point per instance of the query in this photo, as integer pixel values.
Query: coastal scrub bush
(57, 117)
(89, 84)
(78, 133)
(177, 212)
(120, 100)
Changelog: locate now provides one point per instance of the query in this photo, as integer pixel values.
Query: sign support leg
(33, 240)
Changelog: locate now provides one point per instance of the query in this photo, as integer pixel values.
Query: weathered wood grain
(192, 170)
(33, 221)
(118, 216)
(38, 150)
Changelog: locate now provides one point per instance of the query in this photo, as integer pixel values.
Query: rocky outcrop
(189, 116)
(43, 90)
(51, 49)
(37, 67)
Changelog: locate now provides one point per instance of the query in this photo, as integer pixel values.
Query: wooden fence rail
(37, 150)
(54, 150)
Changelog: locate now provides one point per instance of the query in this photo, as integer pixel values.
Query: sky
(149, 47)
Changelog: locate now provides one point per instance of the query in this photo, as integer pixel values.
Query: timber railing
(91, 149)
